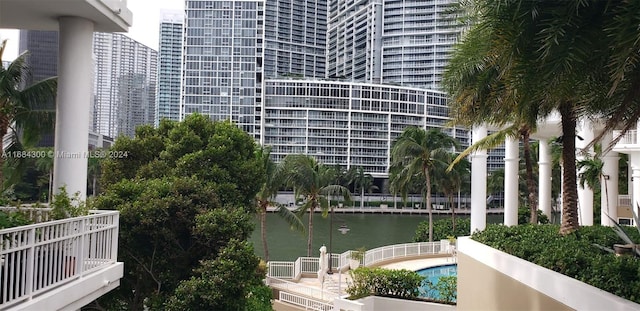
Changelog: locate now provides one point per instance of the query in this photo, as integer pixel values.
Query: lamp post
(343, 229)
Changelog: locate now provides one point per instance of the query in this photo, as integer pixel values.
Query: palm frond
(291, 218)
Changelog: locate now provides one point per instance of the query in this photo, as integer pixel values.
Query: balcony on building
(60, 264)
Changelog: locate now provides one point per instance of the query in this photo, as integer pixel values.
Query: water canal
(368, 230)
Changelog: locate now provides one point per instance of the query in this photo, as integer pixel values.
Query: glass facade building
(169, 65)
(124, 86)
(417, 38)
(336, 79)
(348, 123)
(223, 61)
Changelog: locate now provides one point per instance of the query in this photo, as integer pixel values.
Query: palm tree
(451, 181)
(22, 109)
(264, 198)
(419, 152)
(313, 182)
(362, 181)
(556, 54)
(45, 165)
(94, 169)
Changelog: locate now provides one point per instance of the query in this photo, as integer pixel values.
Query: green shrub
(442, 229)
(384, 282)
(13, 219)
(65, 206)
(573, 255)
(524, 216)
(447, 287)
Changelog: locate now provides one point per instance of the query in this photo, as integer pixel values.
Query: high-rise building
(354, 45)
(295, 34)
(125, 74)
(337, 79)
(417, 37)
(169, 65)
(42, 60)
(43, 53)
(223, 61)
(125, 84)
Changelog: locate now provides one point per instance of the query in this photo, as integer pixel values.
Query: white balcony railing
(629, 138)
(37, 258)
(293, 270)
(624, 200)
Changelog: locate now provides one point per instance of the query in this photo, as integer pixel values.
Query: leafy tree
(417, 152)
(218, 153)
(210, 289)
(442, 229)
(314, 182)
(184, 191)
(21, 107)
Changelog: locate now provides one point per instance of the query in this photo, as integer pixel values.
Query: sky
(146, 17)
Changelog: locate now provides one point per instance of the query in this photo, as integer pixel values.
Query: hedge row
(573, 255)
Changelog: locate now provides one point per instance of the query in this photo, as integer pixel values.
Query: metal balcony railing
(37, 258)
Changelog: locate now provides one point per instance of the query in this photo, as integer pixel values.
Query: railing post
(80, 259)
(31, 253)
(114, 236)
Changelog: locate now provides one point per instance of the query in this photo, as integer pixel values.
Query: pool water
(433, 274)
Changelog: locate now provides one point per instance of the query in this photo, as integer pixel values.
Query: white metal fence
(304, 302)
(629, 138)
(39, 257)
(293, 270)
(35, 214)
(302, 289)
(391, 252)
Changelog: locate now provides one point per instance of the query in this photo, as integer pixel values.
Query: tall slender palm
(451, 181)
(265, 198)
(313, 182)
(362, 181)
(418, 152)
(45, 165)
(20, 107)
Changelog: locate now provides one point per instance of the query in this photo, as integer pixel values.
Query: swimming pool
(433, 274)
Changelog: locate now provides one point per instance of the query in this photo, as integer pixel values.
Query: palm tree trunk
(50, 185)
(569, 185)
(4, 125)
(310, 236)
(362, 198)
(453, 213)
(428, 202)
(263, 230)
(93, 185)
(531, 184)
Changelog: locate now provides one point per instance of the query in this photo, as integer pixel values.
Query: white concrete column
(585, 194)
(75, 78)
(478, 183)
(544, 177)
(635, 199)
(609, 184)
(511, 165)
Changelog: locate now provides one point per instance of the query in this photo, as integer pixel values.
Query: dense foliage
(524, 216)
(185, 195)
(211, 288)
(13, 219)
(384, 282)
(442, 229)
(573, 255)
(446, 287)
